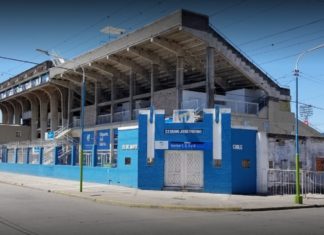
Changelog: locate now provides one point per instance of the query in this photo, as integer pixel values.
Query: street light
(83, 97)
(298, 197)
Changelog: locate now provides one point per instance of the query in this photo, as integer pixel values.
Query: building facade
(178, 64)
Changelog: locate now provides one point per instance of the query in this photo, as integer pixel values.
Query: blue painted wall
(123, 174)
(152, 176)
(91, 174)
(231, 177)
(243, 179)
(220, 179)
(149, 176)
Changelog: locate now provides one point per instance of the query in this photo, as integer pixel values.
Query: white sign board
(159, 144)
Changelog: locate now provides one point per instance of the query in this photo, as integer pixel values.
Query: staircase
(67, 142)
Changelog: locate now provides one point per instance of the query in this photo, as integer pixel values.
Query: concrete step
(182, 189)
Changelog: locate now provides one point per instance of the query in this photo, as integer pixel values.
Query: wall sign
(190, 145)
(36, 150)
(87, 140)
(161, 144)
(237, 146)
(103, 139)
(183, 131)
(49, 135)
(129, 147)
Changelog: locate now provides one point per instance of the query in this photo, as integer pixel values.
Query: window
(18, 134)
(271, 165)
(246, 163)
(217, 163)
(128, 161)
(284, 164)
(319, 164)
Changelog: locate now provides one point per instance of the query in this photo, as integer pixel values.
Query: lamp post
(83, 97)
(83, 90)
(298, 197)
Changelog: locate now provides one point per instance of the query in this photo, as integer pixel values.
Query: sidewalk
(117, 195)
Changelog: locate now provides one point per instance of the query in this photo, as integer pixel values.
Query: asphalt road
(29, 211)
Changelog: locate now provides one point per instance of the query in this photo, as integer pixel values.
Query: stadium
(171, 106)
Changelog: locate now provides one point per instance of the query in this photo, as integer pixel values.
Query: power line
(120, 23)
(18, 60)
(313, 106)
(102, 19)
(227, 8)
(77, 34)
(288, 46)
(138, 23)
(286, 40)
(262, 11)
(283, 31)
(280, 58)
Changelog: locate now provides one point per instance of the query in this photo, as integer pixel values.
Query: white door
(183, 169)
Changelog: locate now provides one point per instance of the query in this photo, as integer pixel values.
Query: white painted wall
(283, 150)
(262, 162)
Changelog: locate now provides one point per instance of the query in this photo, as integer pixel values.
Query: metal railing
(87, 157)
(64, 155)
(282, 182)
(121, 116)
(103, 159)
(11, 156)
(239, 106)
(103, 119)
(48, 155)
(20, 155)
(76, 123)
(191, 104)
(34, 158)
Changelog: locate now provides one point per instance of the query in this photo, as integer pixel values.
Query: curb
(166, 206)
(282, 208)
(190, 208)
(149, 206)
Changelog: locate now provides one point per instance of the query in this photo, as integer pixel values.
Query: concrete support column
(17, 112)
(54, 111)
(25, 106)
(210, 77)
(27, 152)
(74, 155)
(112, 139)
(112, 99)
(64, 111)
(41, 155)
(132, 77)
(94, 156)
(179, 81)
(43, 117)
(4, 114)
(96, 97)
(154, 71)
(69, 105)
(10, 111)
(34, 118)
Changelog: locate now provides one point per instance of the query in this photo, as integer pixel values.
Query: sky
(270, 33)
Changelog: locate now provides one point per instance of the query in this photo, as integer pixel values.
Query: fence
(284, 182)
(239, 106)
(103, 119)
